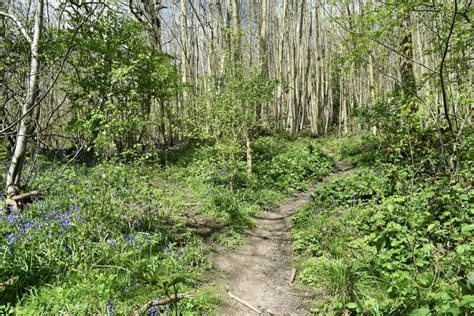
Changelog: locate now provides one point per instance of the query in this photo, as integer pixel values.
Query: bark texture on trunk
(14, 171)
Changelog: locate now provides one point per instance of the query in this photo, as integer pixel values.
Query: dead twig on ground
(241, 301)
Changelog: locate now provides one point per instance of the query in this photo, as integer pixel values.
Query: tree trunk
(235, 26)
(16, 166)
(406, 67)
(263, 49)
(248, 144)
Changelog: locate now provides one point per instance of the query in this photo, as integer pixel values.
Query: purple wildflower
(153, 311)
(11, 238)
(130, 239)
(110, 308)
(66, 247)
(11, 219)
(66, 222)
(27, 225)
(111, 241)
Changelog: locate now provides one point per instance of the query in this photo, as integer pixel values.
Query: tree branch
(18, 24)
(441, 70)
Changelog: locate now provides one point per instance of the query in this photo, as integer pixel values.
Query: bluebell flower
(27, 225)
(66, 247)
(66, 222)
(110, 308)
(153, 311)
(56, 215)
(130, 239)
(11, 219)
(74, 208)
(137, 283)
(11, 238)
(111, 241)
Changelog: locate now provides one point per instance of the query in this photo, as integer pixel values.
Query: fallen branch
(157, 302)
(292, 276)
(26, 195)
(241, 301)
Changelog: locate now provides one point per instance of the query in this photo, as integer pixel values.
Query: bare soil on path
(258, 272)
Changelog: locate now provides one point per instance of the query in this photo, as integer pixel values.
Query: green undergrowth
(109, 237)
(388, 239)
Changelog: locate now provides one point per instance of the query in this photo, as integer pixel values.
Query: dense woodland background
(210, 99)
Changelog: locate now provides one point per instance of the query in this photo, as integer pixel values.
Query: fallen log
(157, 302)
(241, 301)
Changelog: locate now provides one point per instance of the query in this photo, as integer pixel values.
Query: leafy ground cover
(109, 237)
(389, 239)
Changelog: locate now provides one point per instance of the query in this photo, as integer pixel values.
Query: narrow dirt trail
(258, 272)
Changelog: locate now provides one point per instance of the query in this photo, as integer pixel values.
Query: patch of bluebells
(22, 224)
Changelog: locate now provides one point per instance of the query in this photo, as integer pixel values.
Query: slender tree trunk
(248, 144)
(406, 67)
(184, 56)
(236, 36)
(263, 49)
(16, 166)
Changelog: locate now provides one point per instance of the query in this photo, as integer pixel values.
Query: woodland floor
(259, 271)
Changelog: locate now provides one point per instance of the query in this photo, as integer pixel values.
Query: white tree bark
(14, 171)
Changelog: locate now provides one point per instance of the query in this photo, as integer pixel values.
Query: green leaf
(467, 300)
(470, 280)
(423, 311)
(467, 228)
(351, 305)
(380, 243)
(454, 311)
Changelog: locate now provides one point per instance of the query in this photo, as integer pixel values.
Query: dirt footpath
(259, 271)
